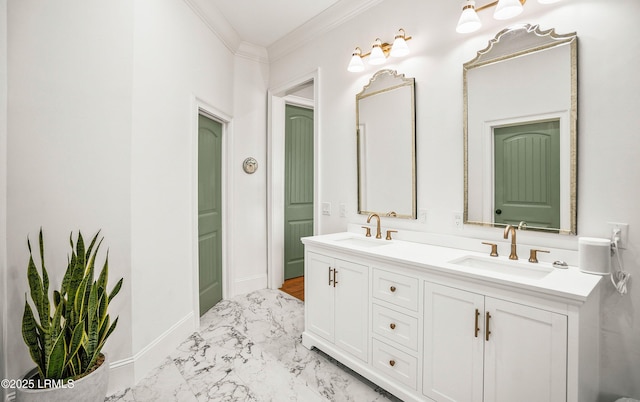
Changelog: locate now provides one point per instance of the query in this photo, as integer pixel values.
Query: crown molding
(252, 52)
(217, 23)
(339, 13)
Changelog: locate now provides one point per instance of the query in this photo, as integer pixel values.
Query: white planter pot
(91, 388)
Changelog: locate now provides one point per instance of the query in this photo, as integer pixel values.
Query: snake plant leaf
(31, 338)
(75, 343)
(56, 358)
(115, 289)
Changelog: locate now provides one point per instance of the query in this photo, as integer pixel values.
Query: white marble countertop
(568, 283)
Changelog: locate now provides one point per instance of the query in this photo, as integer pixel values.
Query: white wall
(608, 171)
(102, 108)
(176, 59)
(3, 190)
(69, 135)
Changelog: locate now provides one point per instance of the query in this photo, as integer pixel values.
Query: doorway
(209, 212)
(298, 187)
(302, 92)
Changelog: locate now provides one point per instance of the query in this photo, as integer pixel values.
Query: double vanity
(427, 322)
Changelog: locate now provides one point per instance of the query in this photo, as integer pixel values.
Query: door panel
(298, 187)
(453, 347)
(527, 180)
(351, 308)
(318, 286)
(526, 354)
(209, 212)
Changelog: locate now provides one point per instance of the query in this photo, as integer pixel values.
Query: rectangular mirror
(520, 114)
(385, 126)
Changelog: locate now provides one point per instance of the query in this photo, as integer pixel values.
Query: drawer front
(395, 288)
(395, 326)
(395, 364)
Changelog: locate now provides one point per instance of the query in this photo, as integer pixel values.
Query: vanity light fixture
(505, 9)
(379, 52)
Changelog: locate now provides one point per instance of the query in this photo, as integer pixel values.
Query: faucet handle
(389, 233)
(494, 248)
(533, 256)
(368, 232)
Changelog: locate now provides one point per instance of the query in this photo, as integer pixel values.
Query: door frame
(201, 107)
(277, 98)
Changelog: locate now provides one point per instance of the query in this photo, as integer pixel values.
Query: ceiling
(263, 23)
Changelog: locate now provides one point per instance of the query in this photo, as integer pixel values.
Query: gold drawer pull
(392, 289)
(392, 326)
(392, 363)
(330, 280)
(477, 328)
(486, 326)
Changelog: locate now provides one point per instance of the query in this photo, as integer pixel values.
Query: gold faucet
(378, 232)
(509, 228)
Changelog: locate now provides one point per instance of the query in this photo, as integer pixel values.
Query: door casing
(200, 106)
(277, 98)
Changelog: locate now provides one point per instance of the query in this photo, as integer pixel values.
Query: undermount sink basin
(362, 242)
(522, 268)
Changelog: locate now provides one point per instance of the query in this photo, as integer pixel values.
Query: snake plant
(66, 338)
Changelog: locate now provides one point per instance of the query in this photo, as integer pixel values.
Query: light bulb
(399, 48)
(469, 21)
(507, 9)
(356, 65)
(377, 56)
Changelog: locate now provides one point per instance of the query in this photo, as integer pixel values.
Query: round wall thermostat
(250, 165)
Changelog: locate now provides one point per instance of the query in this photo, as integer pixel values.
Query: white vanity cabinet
(338, 311)
(479, 348)
(401, 315)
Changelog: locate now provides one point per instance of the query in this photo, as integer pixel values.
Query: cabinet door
(351, 308)
(526, 354)
(453, 344)
(319, 291)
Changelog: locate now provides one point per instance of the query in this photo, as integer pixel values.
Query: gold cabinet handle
(335, 277)
(330, 280)
(486, 326)
(392, 363)
(392, 289)
(392, 326)
(477, 328)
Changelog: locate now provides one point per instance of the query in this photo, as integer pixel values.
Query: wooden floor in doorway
(294, 287)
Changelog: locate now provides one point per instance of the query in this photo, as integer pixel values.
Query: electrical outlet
(343, 210)
(422, 216)
(326, 208)
(457, 220)
(624, 232)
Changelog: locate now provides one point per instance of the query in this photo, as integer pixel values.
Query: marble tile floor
(249, 349)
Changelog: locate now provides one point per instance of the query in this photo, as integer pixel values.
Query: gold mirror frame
(516, 42)
(401, 110)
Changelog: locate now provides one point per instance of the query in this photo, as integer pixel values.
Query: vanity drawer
(395, 288)
(395, 364)
(395, 326)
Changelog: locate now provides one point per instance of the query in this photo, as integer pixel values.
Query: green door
(527, 174)
(298, 187)
(209, 212)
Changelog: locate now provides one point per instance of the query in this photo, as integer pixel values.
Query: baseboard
(125, 373)
(249, 284)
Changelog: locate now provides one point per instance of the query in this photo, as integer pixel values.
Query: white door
(526, 354)
(453, 344)
(319, 295)
(351, 308)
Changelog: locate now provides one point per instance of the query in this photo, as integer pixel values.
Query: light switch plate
(326, 208)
